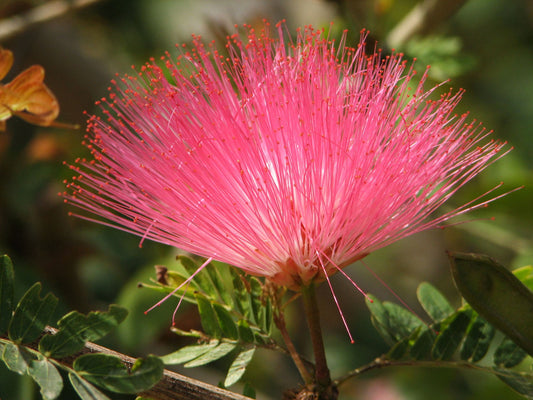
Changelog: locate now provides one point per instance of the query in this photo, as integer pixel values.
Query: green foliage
(75, 329)
(442, 53)
(6, 292)
(236, 313)
(109, 372)
(27, 323)
(31, 315)
(455, 338)
(497, 295)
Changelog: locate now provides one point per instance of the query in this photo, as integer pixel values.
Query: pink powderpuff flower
(289, 159)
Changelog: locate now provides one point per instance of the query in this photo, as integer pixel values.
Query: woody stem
(322, 376)
(279, 320)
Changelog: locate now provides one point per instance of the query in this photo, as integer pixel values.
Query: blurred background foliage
(484, 46)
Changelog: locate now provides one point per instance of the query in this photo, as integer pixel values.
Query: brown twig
(52, 9)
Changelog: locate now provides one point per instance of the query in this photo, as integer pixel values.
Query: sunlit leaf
(238, 366)
(85, 390)
(31, 315)
(433, 302)
(189, 353)
(108, 372)
(6, 281)
(214, 354)
(16, 358)
(47, 377)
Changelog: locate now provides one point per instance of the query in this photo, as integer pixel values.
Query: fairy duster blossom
(287, 158)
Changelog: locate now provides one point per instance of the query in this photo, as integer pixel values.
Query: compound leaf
(85, 390)
(433, 302)
(75, 329)
(31, 315)
(47, 377)
(108, 372)
(238, 366)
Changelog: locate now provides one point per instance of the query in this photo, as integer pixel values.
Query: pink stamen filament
(186, 282)
(336, 301)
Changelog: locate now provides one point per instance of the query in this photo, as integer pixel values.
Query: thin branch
(423, 18)
(312, 314)
(52, 9)
(380, 363)
(172, 386)
(279, 320)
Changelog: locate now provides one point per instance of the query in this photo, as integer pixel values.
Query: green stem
(322, 376)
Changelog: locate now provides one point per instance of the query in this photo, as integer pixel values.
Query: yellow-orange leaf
(26, 96)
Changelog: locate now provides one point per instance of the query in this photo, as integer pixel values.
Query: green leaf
(7, 277)
(520, 381)
(269, 317)
(508, 354)
(380, 319)
(433, 302)
(478, 340)
(256, 301)
(108, 372)
(238, 366)
(246, 334)
(75, 329)
(201, 281)
(497, 295)
(221, 277)
(451, 336)
(214, 354)
(421, 349)
(85, 390)
(398, 351)
(16, 358)
(241, 296)
(226, 322)
(401, 322)
(47, 377)
(188, 353)
(31, 315)
(208, 317)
